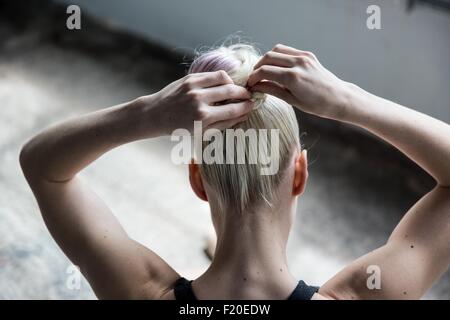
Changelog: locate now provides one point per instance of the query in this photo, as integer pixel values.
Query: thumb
(274, 89)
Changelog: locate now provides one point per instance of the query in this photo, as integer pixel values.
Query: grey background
(406, 61)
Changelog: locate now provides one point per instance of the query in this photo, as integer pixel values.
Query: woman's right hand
(209, 97)
(298, 78)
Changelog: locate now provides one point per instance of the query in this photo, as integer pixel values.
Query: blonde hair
(242, 187)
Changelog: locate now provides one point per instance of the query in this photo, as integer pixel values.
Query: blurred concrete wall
(406, 61)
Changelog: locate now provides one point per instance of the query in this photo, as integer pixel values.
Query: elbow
(35, 162)
(27, 160)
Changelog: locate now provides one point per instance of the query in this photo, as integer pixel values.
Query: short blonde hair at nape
(241, 187)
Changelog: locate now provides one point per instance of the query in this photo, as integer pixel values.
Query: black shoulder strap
(303, 291)
(183, 290)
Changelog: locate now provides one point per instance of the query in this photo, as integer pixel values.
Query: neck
(252, 247)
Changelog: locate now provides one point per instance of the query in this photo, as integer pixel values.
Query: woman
(252, 213)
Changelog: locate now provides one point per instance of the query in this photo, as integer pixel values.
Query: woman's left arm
(80, 222)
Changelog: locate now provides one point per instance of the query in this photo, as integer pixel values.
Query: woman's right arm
(116, 266)
(418, 251)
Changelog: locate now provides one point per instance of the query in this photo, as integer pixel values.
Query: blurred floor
(359, 187)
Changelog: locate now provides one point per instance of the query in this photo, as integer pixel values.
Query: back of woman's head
(244, 186)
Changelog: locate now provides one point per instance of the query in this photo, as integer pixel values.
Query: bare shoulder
(319, 296)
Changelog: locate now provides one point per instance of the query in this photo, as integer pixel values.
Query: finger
(225, 124)
(210, 79)
(272, 73)
(276, 59)
(230, 111)
(224, 92)
(281, 48)
(273, 89)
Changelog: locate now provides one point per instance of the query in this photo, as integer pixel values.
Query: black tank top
(183, 291)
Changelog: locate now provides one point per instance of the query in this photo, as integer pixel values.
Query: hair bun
(258, 98)
(238, 60)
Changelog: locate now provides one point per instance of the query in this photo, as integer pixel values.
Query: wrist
(352, 103)
(144, 117)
